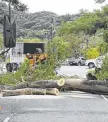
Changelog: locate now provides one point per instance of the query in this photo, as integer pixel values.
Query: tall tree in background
(17, 5)
(100, 1)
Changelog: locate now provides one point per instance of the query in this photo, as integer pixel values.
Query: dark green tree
(17, 5)
(100, 1)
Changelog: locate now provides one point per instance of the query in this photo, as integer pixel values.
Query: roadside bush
(103, 73)
(13, 78)
(103, 48)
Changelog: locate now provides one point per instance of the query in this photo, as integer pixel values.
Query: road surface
(68, 107)
(73, 70)
(65, 70)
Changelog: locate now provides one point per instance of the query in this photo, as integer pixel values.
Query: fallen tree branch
(39, 84)
(91, 86)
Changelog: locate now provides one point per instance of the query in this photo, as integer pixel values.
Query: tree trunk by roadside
(40, 84)
(91, 86)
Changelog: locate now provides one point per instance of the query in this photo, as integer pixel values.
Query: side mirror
(9, 32)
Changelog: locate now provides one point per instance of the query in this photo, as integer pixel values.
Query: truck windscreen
(32, 48)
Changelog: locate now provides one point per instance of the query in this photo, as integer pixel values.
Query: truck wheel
(91, 65)
(70, 64)
(9, 67)
(15, 66)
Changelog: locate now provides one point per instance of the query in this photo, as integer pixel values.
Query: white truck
(17, 54)
(96, 63)
(91, 63)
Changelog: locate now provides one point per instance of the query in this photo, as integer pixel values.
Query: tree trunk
(40, 84)
(92, 86)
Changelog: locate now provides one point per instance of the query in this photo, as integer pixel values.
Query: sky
(61, 7)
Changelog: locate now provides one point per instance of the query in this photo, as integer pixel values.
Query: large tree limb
(39, 84)
(95, 86)
(92, 86)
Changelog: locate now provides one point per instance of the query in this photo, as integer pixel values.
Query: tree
(17, 5)
(1, 40)
(105, 36)
(103, 48)
(58, 50)
(100, 1)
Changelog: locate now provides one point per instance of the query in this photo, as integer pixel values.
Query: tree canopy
(17, 5)
(100, 1)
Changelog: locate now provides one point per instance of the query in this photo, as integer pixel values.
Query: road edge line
(6, 119)
(104, 98)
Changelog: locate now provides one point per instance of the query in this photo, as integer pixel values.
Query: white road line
(33, 97)
(83, 96)
(104, 98)
(7, 119)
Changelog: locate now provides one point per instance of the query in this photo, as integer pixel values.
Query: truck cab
(17, 55)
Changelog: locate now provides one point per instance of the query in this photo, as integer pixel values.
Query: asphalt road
(73, 70)
(68, 107)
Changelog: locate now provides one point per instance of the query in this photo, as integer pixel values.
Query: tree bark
(40, 84)
(91, 86)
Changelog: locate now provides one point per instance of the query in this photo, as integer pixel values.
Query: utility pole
(52, 27)
(10, 11)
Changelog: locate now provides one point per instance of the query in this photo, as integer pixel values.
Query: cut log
(91, 86)
(52, 91)
(26, 91)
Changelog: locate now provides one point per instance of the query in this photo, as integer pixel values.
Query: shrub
(103, 73)
(92, 53)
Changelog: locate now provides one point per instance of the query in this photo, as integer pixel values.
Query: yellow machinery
(36, 58)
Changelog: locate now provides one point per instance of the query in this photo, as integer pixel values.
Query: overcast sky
(61, 6)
